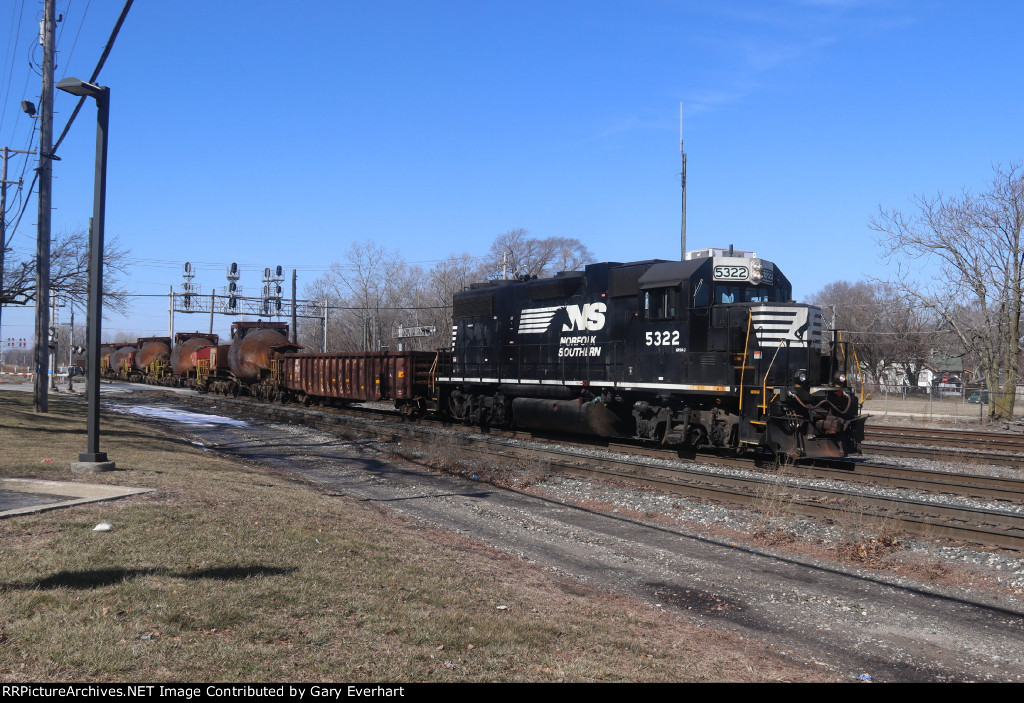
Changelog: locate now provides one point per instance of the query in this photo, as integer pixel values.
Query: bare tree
(373, 291)
(856, 312)
(447, 278)
(568, 254)
(890, 331)
(69, 273)
(516, 254)
(976, 243)
(368, 294)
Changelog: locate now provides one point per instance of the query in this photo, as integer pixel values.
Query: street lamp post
(93, 459)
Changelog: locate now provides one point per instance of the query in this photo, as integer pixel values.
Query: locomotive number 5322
(731, 273)
(661, 339)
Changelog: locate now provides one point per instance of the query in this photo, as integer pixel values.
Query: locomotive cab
(748, 341)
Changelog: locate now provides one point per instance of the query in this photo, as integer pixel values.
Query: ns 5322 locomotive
(707, 352)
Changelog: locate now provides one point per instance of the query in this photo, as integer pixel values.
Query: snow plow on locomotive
(705, 352)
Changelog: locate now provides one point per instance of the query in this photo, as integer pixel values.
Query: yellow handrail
(746, 348)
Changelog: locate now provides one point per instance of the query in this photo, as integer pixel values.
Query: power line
(78, 32)
(10, 71)
(96, 72)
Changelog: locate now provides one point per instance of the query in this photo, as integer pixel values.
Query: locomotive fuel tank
(573, 416)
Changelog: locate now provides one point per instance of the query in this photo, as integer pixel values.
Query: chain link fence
(938, 401)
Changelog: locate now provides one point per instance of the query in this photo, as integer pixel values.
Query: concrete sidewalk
(19, 496)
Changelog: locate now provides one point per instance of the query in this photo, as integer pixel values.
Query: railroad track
(997, 448)
(941, 505)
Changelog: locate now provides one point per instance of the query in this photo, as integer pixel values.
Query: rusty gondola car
(401, 377)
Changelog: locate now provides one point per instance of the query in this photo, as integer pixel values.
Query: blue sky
(279, 133)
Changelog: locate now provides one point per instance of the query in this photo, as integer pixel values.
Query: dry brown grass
(234, 573)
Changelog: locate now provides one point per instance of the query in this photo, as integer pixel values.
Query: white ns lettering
(585, 317)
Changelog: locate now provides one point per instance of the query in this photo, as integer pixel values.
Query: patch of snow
(174, 415)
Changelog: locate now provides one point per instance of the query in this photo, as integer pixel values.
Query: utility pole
(682, 154)
(42, 348)
(3, 215)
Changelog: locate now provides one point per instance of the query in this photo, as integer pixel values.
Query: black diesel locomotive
(709, 351)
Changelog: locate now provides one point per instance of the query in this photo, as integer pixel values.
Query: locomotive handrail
(746, 348)
(764, 381)
(432, 374)
(856, 364)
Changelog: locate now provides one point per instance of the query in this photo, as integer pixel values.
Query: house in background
(945, 374)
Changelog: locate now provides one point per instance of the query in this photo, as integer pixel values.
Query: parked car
(978, 397)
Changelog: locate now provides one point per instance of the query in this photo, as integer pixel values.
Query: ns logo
(585, 317)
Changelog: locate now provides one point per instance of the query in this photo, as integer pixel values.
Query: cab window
(728, 294)
(660, 304)
(748, 294)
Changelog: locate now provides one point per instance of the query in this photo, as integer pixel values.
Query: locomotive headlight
(755, 271)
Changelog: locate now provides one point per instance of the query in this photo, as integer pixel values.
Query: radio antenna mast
(682, 154)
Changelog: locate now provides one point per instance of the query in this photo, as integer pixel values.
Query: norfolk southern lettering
(579, 346)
